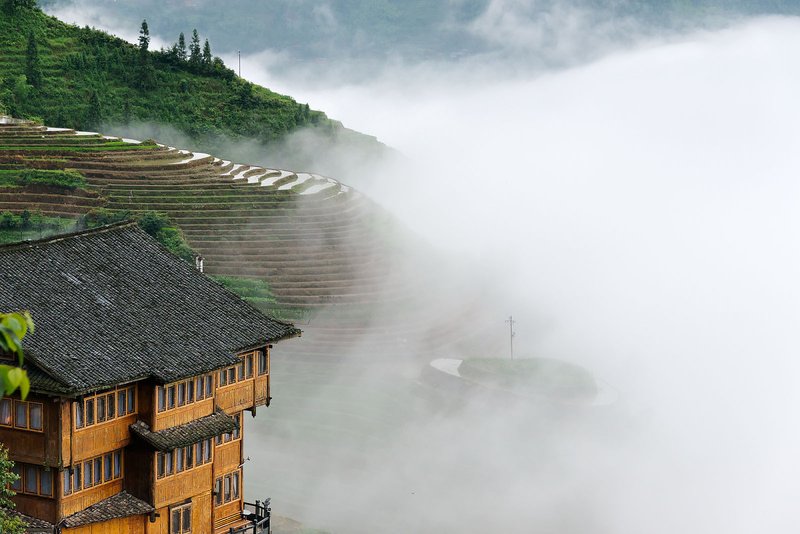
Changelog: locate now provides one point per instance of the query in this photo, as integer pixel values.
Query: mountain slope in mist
(83, 78)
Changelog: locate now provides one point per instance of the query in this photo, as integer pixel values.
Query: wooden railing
(258, 514)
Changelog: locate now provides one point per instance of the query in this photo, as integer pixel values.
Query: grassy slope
(77, 62)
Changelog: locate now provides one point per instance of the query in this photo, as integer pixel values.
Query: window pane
(160, 464)
(237, 430)
(223, 378)
(236, 486)
(121, 402)
(168, 460)
(101, 409)
(21, 415)
(17, 485)
(171, 397)
(187, 519)
(110, 405)
(190, 391)
(30, 479)
(87, 474)
(227, 488)
(89, 412)
(36, 416)
(46, 481)
(162, 399)
(181, 393)
(262, 362)
(107, 467)
(175, 522)
(79, 414)
(117, 464)
(249, 366)
(180, 460)
(240, 371)
(232, 375)
(209, 385)
(67, 483)
(98, 470)
(190, 457)
(5, 412)
(77, 479)
(131, 400)
(218, 491)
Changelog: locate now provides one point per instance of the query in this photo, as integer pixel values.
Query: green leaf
(14, 377)
(24, 385)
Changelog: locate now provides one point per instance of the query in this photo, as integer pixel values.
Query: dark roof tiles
(192, 432)
(112, 306)
(123, 504)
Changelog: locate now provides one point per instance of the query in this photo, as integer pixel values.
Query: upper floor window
(105, 406)
(184, 392)
(263, 362)
(231, 436)
(238, 372)
(21, 414)
(182, 459)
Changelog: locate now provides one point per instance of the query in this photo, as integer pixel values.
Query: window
(240, 371)
(199, 387)
(180, 456)
(248, 365)
(89, 410)
(98, 470)
(162, 399)
(27, 415)
(101, 409)
(34, 480)
(189, 457)
(263, 367)
(223, 378)
(106, 406)
(231, 375)
(237, 431)
(92, 472)
(218, 491)
(180, 519)
(209, 386)
(183, 459)
(67, 483)
(20, 414)
(227, 488)
(5, 412)
(79, 414)
(107, 472)
(181, 393)
(160, 464)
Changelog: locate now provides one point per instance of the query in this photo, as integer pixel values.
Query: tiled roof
(34, 525)
(195, 431)
(122, 504)
(112, 306)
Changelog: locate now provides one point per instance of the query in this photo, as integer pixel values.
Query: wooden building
(141, 370)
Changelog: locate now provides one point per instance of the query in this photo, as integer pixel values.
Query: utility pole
(511, 322)
(240, 62)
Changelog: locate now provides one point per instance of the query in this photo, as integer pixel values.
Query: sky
(636, 209)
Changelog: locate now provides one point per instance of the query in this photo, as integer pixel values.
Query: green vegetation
(24, 177)
(535, 376)
(27, 225)
(259, 294)
(79, 77)
(8, 524)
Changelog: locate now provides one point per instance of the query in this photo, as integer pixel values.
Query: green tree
(144, 38)
(206, 55)
(13, 328)
(12, 6)
(180, 48)
(195, 57)
(33, 67)
(8, 524)
(145, 70)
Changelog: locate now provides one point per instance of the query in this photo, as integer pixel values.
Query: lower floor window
(226, 488)
(180, 519)
(33, 479)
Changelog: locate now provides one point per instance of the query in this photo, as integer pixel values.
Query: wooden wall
(43, 507)
(182, 414)
(85, 498)
(32, 446)
(129, 525)
(201, 516)
(179, 487)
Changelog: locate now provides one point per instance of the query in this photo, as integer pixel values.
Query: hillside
(82, 78)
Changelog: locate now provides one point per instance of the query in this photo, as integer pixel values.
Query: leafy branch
(13, 328)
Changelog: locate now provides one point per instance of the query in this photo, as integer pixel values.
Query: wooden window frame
(10, 403)
(23, 470)
(184, 392)
(27, 407)
(86, 479)
(183, 510)
(263, 363)
(119, 397)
